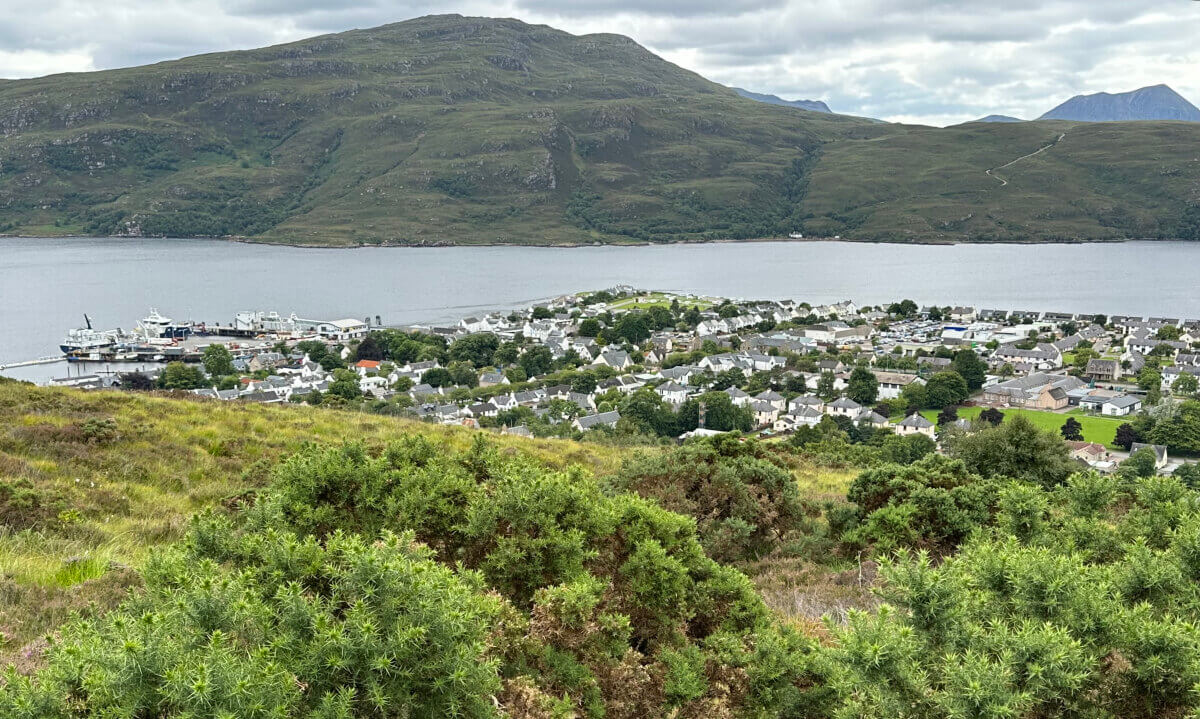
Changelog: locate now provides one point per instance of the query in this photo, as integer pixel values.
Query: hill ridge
(452, 130)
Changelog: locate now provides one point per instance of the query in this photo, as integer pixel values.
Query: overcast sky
(928, 61)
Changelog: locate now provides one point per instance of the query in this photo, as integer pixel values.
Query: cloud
(929, 61)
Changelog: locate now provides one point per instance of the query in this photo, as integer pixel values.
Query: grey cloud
(918, 59)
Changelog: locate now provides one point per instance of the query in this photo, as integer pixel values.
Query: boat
(155, 325)
(87, 339)
(796, 235)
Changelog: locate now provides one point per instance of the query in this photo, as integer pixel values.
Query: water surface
(46, 285)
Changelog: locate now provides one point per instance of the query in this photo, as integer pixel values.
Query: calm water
(47, 285)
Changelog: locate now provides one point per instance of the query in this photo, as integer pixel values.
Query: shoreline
(575, 245)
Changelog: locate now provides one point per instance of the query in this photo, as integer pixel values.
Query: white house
(915, 424)
(1121, 406)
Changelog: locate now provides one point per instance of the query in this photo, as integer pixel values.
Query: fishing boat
(87, 339)
(154, 325)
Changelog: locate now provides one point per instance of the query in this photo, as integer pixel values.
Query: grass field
(1095, 429)
(659, 299)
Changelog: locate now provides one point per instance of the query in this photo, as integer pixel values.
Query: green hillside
(453, 130)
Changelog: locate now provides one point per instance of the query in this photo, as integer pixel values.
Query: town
(632, 363)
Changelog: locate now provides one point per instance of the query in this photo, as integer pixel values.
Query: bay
(46, 285)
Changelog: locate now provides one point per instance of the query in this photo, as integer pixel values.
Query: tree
(903, 308)
(345, 384)
(1015, 449)
(136, 381)
(437, 377)
(369, 349)
(506, 354)
(1149, 378)
(971, 367)
(825, 386)
(948, 415)
(590, 327)
(795, 383)
(649, 413)
(177, 375)
(1186, 384)
(537, 360)
(478, 349)
(863, 386)
(463, 373)
(217, 360)
(1142, 463)
(992, 416)
(945, 388)
(720, 414)
(1168, 332)
(632, 327)
(1125, 437)
(1072, 430)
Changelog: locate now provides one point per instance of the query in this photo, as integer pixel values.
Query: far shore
(572, 245)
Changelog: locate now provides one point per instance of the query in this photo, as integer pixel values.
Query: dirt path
(991, 173)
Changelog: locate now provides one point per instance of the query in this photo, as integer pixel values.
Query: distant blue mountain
(812, 105)
(1149, 103)
(999, 118)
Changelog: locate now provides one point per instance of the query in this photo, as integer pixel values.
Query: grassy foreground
(92, 482)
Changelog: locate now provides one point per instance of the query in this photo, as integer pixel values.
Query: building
(891, 384)
(915, 424)
(1121, 406)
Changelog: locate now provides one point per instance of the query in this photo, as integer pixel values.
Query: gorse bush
(419, 583)
(744, 500)
(249, 625)
(1077, 602)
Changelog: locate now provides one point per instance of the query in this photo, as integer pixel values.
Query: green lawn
(1095, 429)
(658, 299)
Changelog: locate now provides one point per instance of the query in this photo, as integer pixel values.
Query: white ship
(155, 326)
(87, 339)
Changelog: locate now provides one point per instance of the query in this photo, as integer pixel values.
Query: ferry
(87, 339)
(155, 326)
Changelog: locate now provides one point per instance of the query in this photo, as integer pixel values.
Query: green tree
(863, 386)
(590, 327)
(1142, 463)
(1072, 430)
(944, 389)
(971, 367)
(1186, 384)
(217, 360)
(345, 384)
(463, 373)
(1015, 449)
(720, 414)
(478, 349)
(437, 377)
(537, 360)
(177, 375)
(825, 386)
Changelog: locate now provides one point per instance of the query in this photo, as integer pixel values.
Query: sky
(935, 62)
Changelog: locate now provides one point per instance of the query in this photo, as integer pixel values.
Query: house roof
(915, 420)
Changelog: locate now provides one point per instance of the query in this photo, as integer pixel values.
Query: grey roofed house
(805, 412)
(916, 421)
(845, 403)
(735, 393)
(591, 421)
(806, 400)
(769, 396)
(870, 417)
(1124, 401)
(1102, 366)
(934, 361)
(581, 399)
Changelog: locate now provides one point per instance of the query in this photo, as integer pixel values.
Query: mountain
(813, 105)
(1149, 103)
(458, 130)
(999, 118)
